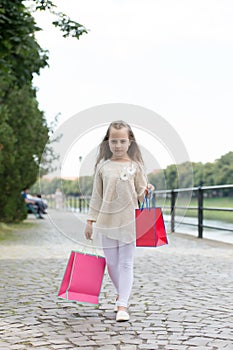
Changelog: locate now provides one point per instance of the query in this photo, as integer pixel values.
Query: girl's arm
(89, 229)
(141, 184)
(95, 203)
(96, 197)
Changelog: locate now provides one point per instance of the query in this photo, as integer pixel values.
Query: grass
(9, 231)
(224, 202)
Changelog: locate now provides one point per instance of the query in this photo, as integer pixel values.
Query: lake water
(215, 234)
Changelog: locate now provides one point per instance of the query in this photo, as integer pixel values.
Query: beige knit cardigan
(118, 185)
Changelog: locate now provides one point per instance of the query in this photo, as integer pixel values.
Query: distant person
(31, 202)
(120, 181)
(58, 199)
(41, 202)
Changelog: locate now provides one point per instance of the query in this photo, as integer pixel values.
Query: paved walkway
(182, 296)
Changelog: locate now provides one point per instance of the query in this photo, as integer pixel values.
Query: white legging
(119, 259)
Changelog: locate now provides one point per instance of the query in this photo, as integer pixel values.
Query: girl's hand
(88, 230)
(149, 189)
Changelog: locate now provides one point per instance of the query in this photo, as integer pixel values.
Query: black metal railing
(200, 208)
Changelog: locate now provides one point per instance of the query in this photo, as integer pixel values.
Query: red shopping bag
(150, 228)
(83, 278)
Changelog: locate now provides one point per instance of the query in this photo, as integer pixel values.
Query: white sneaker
(122, 316)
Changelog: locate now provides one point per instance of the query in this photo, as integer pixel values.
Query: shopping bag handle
(147, 201)
(85, 251)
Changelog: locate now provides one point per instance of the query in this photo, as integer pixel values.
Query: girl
(119, 183)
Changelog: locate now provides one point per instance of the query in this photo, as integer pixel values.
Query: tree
(224, 169)
(171, 176)
(23, 128)
(219, 172)
(198, 174)
(157, 179)
(185, 175)
(209, 174)
(68, 26)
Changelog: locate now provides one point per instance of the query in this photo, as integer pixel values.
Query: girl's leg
(126, 258)
(110, 248)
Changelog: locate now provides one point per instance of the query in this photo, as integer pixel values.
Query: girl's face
(119, 142)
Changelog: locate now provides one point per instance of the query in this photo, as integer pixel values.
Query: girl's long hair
(133, 152)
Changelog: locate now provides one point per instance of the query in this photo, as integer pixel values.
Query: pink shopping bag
(83, 278)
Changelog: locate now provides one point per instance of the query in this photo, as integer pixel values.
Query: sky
(173, 57)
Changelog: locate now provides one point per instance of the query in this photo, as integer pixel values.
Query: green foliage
(224, 169)
(69, 27)
(219, 172)
(23, 128)
(70, 187)
(171, 175)
(209, 175)
(7, 161)
(21, 56)
(157, 178)
(82, 186)
(45, 186)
